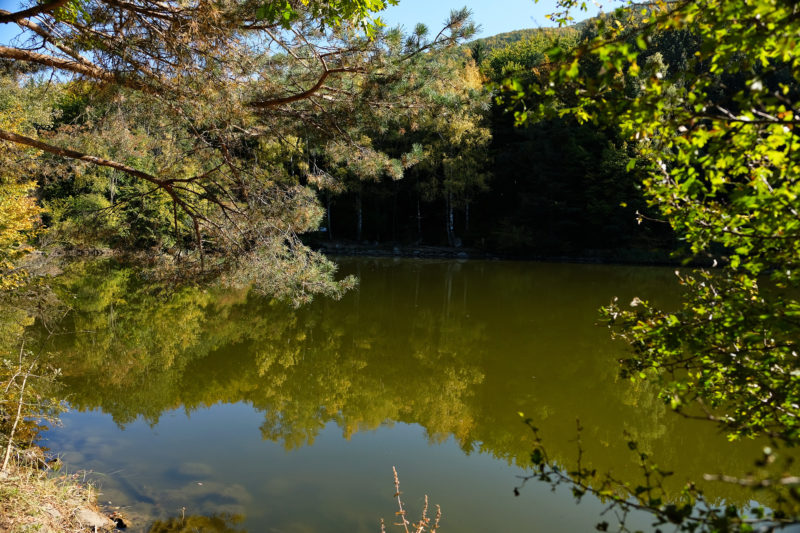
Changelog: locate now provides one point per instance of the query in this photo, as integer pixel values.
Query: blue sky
(495, 16)
(7, 31)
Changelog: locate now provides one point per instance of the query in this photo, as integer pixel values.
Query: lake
(222, 410)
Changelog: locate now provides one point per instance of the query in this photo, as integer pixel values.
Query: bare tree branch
(305, 94)
(7, 17)
(72, 154)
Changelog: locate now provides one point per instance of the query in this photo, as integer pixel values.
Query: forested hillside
(503, 40)
(528, 191)
(428, 154)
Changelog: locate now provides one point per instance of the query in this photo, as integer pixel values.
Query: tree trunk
(419, 221)
(330, 225)
(359, 217)
(378, 220)
(394, 213)
(200, 245)
(449, 220)
(177, 232)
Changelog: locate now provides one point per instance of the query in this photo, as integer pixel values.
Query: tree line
(151, 148)
(208, 127)
(518, 191)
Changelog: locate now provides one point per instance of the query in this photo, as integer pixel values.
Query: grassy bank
(32, 499)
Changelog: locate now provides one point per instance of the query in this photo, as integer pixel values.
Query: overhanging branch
(81, 66)
(73, 154)
(263, 104)
(32, 11)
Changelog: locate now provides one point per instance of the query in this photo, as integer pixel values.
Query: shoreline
(34, 499)
(627, 257)
(616, 257)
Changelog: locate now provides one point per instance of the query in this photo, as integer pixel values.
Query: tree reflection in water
(457, 348)
(222, 523)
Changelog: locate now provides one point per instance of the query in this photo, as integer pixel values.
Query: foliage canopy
(707, 91)
(716, 138)
(198, 120)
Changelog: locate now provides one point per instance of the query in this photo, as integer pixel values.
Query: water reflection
(458, 349)
(194, 523)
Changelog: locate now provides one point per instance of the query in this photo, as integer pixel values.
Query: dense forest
(528, 192)
(448, 167)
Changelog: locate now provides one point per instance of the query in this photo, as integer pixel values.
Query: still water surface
(242, 414)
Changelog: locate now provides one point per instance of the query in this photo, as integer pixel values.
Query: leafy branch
(689, 511)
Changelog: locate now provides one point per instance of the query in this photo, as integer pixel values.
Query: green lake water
(235, 413)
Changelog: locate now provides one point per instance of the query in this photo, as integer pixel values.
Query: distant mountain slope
(501, 40)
